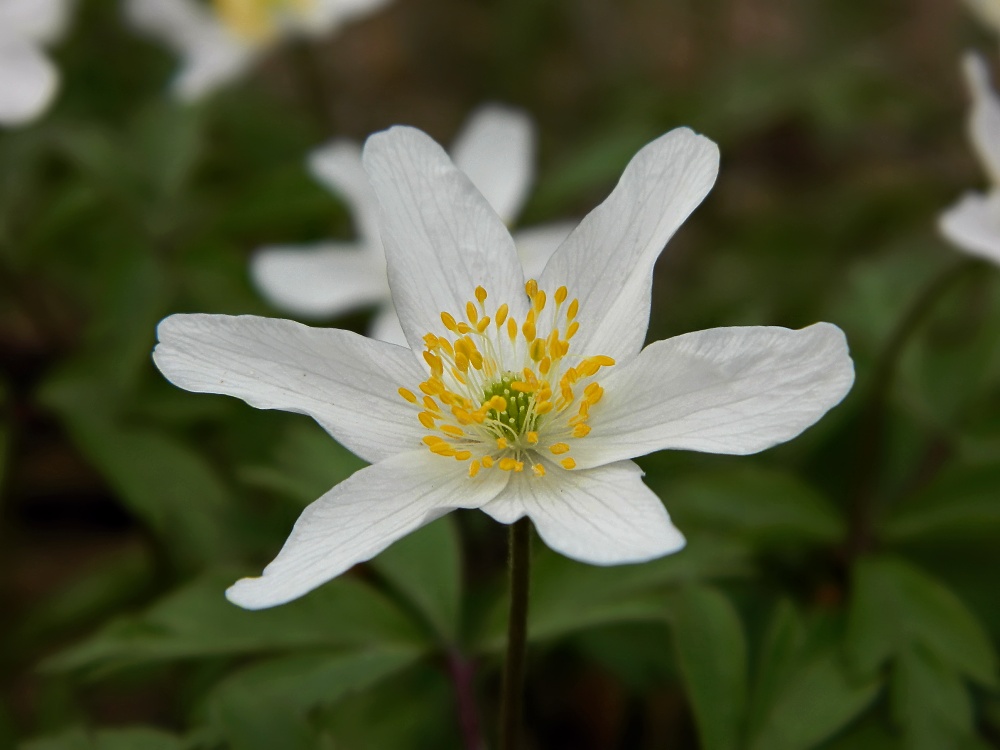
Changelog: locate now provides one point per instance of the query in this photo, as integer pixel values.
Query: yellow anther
(480, 294)
(501, 315)
(430, 404)
(593, 393)
(581, 430)
(487, 462)
(531, 288)
(543, 407)
(462, 415)
(432, 387)
(559, 448)
(461, 362)
(506, 464)
(426, 419)
(501, 444)
(568, 463)
(588, 368)
(408, 395)
(603, 360)
(464, 328)
(538, 302)
(499, 403)
(539, 470)
(537, 350)
(433, 440)
(445, 344)
(560, 295)
(574, 308)
(528, 329)
(483, 324)
(545, 365)
(430, 340)
(434, 362)
(449, 321)
(572, 329)
(476, 359)
(442, 449)
(521, 387)
(511, 328)
(532, 437)
(471, 313)
(463, 455)
(474, 466)
(519, 466)
(450, 429)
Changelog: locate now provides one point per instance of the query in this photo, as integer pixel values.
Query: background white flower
(28, 78)
(496, 149)
(217, 42)
(509, 399)
(973, 223)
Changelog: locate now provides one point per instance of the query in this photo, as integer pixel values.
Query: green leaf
(758, 504)
(960, 503)
(818, 698)
(108, 739)
(197, 621)
(712, 652)
(895, 606)
(930, 703)
(426, 568)
(567, 596)
(780, 651)
(167, 137)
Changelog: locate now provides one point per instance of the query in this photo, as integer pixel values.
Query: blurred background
(838, 592)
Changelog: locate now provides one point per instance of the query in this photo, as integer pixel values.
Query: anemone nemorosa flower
(495, 149)
(28, 79)
(973, 223)
(515, 396)
(219, 41)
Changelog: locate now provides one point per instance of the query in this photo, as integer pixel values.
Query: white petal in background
(536, 245)
(362, 516)
(607, 262)
(984, 115)
(602, 516)
(337, 165)
(988, 12)
(346, 382)
(441, 237)
(496, 149)
(28, 82)
(973, 224)
(724, 390)
(321, 281)
(40, 21)
(211, 56)
(324, 16)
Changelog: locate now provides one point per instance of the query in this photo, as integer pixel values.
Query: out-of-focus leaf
(168, 139)
(712, 652)
(869, 733)
(756, 503)
(139, 738)
(782, 643)
(197, 621)
(818, 698)
(895, 606)
(252, 722)
(306, 463)
(959, 503)
(295, 685)
(426, 568)
(567, 596)
(930, 703)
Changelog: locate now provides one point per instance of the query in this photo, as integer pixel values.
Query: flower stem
(512, 699)
(872, 443)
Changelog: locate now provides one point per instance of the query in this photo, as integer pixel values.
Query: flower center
(258, 20)
(506, 395)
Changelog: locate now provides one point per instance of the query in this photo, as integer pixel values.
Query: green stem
(872, 443)
(512, 698)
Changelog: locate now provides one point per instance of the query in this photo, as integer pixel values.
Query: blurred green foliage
(837, 592)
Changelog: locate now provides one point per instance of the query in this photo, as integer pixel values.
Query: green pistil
(518, 404)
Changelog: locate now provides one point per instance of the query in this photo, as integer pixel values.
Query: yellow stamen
(559, 448)
(474, 466)
(539, 470)
(568, 463)
(408, 395)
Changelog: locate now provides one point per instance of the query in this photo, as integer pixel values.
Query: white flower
(28, 79)
(515, 398)
(988, 11)
(217, 42)
(495, 150)
(973, 223)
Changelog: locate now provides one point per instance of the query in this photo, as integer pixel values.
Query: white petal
(607, 262)
(338, 166)
(973, 224)
(602, 516)
(346, 382)
(42, 21)
(386, 327)
(987, 10)
(984, 116)
(319, 281)
(441, 237)
(211, 55)
(28, 82)
(362, 516)
(535, 245)
(724, 390)
(324, 16)
(496, 149)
